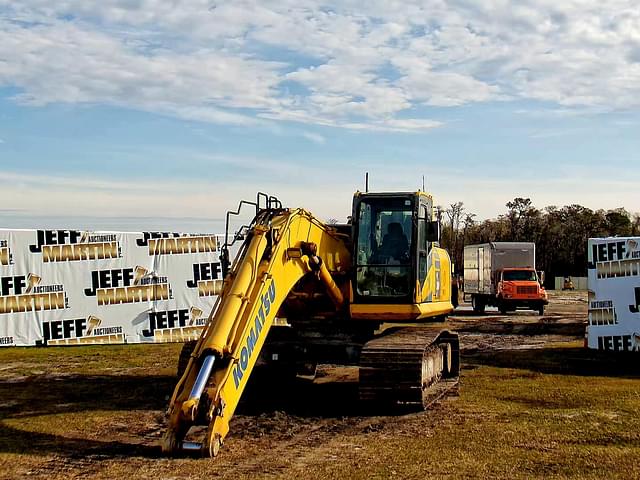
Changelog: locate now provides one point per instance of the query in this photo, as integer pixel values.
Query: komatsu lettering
(254, 334)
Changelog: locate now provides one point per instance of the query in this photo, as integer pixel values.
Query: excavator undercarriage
(302, 293)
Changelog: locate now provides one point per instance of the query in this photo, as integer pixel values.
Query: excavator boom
(282, 247)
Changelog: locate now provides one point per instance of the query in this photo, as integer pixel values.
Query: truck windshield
(519, 275)
(383, 247)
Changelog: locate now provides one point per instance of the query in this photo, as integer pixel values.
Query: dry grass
(555, 412)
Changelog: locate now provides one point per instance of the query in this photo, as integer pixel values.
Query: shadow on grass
(80, 395)
(77, 395)
(514, 327)
(301, 397)
(563, 361)
(45, 394)
(13, 440)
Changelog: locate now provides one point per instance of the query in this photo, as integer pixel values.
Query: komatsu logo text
(266, 301)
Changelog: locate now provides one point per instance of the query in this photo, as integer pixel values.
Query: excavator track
(410, 368)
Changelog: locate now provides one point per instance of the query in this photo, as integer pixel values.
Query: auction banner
(614, 293)
(69, 287)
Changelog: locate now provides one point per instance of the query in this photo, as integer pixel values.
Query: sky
(163, 115)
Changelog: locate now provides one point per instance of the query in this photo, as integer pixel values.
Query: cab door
(428, 267)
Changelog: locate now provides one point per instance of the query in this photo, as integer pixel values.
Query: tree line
(560, 233)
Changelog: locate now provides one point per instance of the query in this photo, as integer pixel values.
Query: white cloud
(64, 63)
(344, 66)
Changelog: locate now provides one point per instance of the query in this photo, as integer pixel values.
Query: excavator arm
(282, 247)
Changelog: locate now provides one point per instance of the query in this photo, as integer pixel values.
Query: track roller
(409, 368)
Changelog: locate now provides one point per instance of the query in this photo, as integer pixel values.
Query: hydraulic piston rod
(191, 446)
(190, 407)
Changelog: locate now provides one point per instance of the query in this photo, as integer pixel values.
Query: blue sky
(136, 115)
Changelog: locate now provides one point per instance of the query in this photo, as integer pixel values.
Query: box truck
(503, 275)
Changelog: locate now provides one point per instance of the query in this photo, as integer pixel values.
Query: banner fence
(614, 293)
(69, 287)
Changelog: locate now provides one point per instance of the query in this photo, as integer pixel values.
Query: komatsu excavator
(323, 294)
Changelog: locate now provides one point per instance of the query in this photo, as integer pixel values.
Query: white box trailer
(483, 260)
(614, 293)
(503, 275)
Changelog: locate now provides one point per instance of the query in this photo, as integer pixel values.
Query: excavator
(301, 292)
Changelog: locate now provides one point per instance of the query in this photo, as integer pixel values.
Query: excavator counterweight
(335, 289)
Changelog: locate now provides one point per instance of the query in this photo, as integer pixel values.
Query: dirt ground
(532, 403)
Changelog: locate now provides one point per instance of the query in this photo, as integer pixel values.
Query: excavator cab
(393, 235)
(394, 239)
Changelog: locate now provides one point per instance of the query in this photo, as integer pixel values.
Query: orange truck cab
(520, 288)
(503, 275)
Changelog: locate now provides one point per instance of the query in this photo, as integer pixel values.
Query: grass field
(522, 412)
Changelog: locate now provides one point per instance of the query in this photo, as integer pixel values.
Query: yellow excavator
(302, 292)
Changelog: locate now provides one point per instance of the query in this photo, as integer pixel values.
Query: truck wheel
(503, 308)
(541, 310)
(477, 304)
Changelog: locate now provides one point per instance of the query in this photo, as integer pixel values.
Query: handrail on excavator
(270, 203)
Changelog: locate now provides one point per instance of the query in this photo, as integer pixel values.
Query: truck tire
(477, 304)
(503, 308)
(541, 309)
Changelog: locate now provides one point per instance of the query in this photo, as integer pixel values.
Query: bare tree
(454, 213)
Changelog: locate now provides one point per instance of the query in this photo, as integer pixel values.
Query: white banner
(614, 293)
(68, 287)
